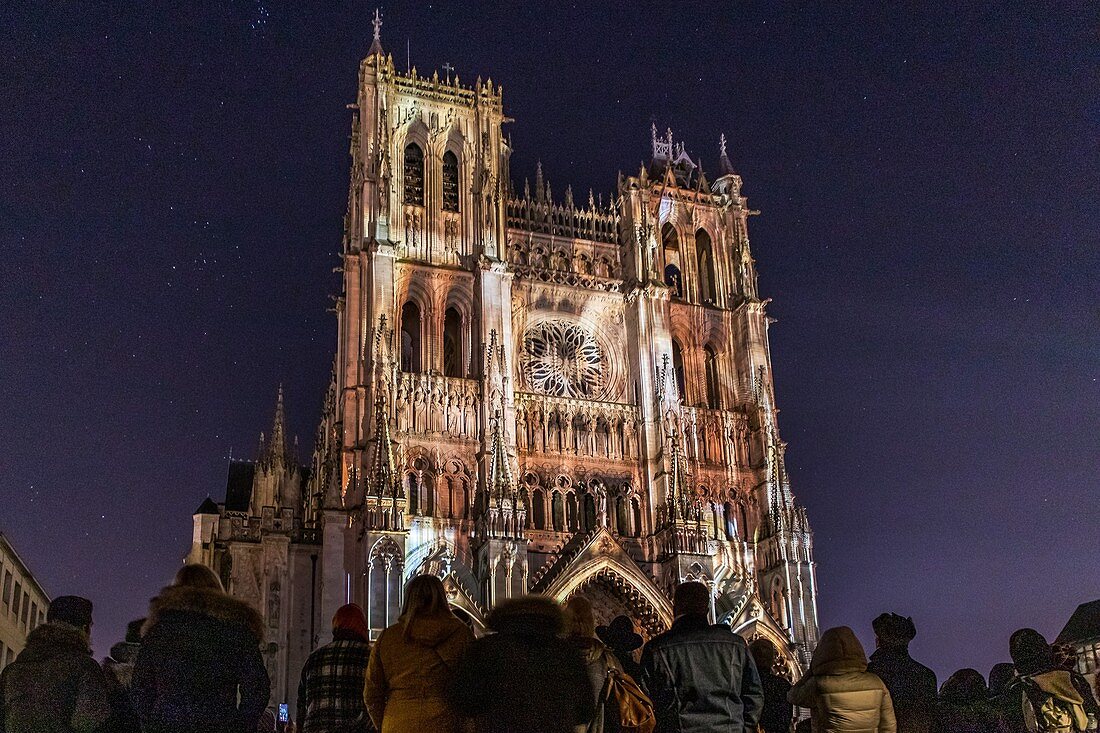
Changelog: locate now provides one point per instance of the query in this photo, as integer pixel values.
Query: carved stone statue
(600, 493)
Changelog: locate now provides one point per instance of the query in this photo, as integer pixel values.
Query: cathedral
(530, 393)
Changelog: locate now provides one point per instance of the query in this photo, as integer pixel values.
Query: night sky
(174, 177)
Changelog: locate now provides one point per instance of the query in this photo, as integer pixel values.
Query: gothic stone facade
(528, 396)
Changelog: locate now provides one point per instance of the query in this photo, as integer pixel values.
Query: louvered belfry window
(450, 182)
(414, 175)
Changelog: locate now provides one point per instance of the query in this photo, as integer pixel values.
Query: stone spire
(274, 450)
(724, 165)
(501, 483)
(501, 515)
(376, 46)
(382, 479)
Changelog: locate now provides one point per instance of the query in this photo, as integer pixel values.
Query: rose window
(563, 359)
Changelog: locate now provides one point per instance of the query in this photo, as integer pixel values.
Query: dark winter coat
(54, 685)
(119, 672)
(964, 706)
(912, 687)
(523, 677)
(777, 714)
(702, 678)
(198, 648)
(630, 666)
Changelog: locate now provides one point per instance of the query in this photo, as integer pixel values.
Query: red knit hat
(351, 618)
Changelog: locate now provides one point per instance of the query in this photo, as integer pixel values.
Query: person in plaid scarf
(330, 695)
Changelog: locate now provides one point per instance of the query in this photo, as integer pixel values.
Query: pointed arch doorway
(612, 595)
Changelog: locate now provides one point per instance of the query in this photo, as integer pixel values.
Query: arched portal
(613, 595)
(614, 580)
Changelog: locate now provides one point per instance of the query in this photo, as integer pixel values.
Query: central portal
(611, 596)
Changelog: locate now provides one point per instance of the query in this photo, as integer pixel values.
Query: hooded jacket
(409, 669)
(523, 677)
(54, 685)
(200, 650)
(843, 697)
(702, 678)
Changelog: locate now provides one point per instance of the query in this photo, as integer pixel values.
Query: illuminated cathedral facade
(530, 394)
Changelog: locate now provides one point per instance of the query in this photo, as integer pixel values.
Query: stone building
(530, 394)
(23, 603)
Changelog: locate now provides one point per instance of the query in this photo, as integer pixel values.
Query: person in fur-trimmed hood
(524, 677)
(54, 685)
(199, 669)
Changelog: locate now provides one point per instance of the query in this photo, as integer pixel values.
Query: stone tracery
(563, 359)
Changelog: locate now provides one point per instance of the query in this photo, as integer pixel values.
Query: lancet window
(710, 362)
(384, 584)
(705, 255)
(450, 182)
(669, 240)
(410, 337)
(674, 280)
(538, 509)
(414, 174)
(412, 493)
(453, 358)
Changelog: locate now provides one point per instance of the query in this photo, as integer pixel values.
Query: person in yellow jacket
(412, 662)
(843, 697)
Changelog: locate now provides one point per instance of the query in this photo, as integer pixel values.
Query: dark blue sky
(173, 181)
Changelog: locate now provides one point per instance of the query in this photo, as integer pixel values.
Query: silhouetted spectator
(843, 697)
(620, 638)
(330, 694)
(524, 677)
(1006, 702)
(912, 686)
(54, 685)
(119, 671)
(412, 663)
(964, 705)
(1051, 698)
(777, 713)
(199, 668)
(999, 677)
(580, 631)
(700, 676)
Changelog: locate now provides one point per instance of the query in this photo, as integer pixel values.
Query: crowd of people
(194, 665)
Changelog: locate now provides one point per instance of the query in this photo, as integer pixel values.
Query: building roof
(207, 507)
(1083, 625)
(7, 548)
(238, 486)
